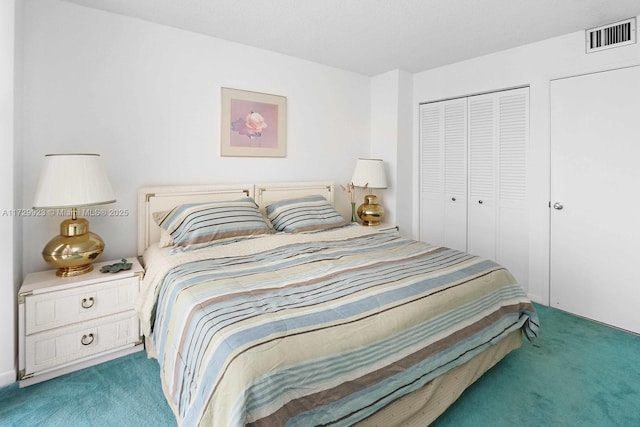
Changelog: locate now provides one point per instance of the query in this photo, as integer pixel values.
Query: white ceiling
(374, 36)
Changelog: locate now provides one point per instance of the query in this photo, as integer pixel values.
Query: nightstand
(70, 323)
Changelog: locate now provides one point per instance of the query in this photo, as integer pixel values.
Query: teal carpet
(122, 392)
(577, 373)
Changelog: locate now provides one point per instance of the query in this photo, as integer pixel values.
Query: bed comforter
(319, 329)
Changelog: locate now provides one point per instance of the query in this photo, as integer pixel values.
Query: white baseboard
(7, 378)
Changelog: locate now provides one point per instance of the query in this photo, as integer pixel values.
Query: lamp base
(370, 212)
(74, 250)
(73, 271)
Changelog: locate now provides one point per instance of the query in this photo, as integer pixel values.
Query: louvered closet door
(498, 145)
(481, 237)
(443, 171)
(512, 248)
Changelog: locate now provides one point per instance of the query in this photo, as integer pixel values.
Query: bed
(312, 320)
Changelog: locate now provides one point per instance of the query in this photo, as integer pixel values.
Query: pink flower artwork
(253, 124)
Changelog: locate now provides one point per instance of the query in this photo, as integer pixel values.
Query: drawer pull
(87, 303)
(86, 339)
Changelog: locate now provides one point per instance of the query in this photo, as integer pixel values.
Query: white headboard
(266, 194)
(158, 199)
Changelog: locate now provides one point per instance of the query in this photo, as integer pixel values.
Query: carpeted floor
(578, 373)
(122, 392)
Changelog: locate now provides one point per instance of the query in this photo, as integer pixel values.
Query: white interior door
(595, 188)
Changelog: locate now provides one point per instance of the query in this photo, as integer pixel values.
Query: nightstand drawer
(60, 308)
(58, 347)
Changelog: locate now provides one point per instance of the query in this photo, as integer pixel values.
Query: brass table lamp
(69, 182)
(370, 173)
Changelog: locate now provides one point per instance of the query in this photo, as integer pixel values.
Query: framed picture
(253, 124)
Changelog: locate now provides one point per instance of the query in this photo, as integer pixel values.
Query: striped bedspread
(321, 329)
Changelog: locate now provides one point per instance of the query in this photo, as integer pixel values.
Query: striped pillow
(195, 225)
(312, 213)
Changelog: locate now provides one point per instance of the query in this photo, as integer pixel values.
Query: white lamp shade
(73, 180)
(371, 172)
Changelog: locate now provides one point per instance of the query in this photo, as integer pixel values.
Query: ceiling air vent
(611, 35)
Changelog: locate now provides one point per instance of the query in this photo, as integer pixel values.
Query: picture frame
(253, 124)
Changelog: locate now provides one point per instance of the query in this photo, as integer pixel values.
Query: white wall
(391, 140)
(147, 97)
(534, 65)
(8, 272)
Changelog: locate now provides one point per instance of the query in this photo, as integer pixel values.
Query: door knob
(558, 206)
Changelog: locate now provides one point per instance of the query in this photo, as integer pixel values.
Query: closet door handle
(558, 206)
(480, 202)
(453, 199)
